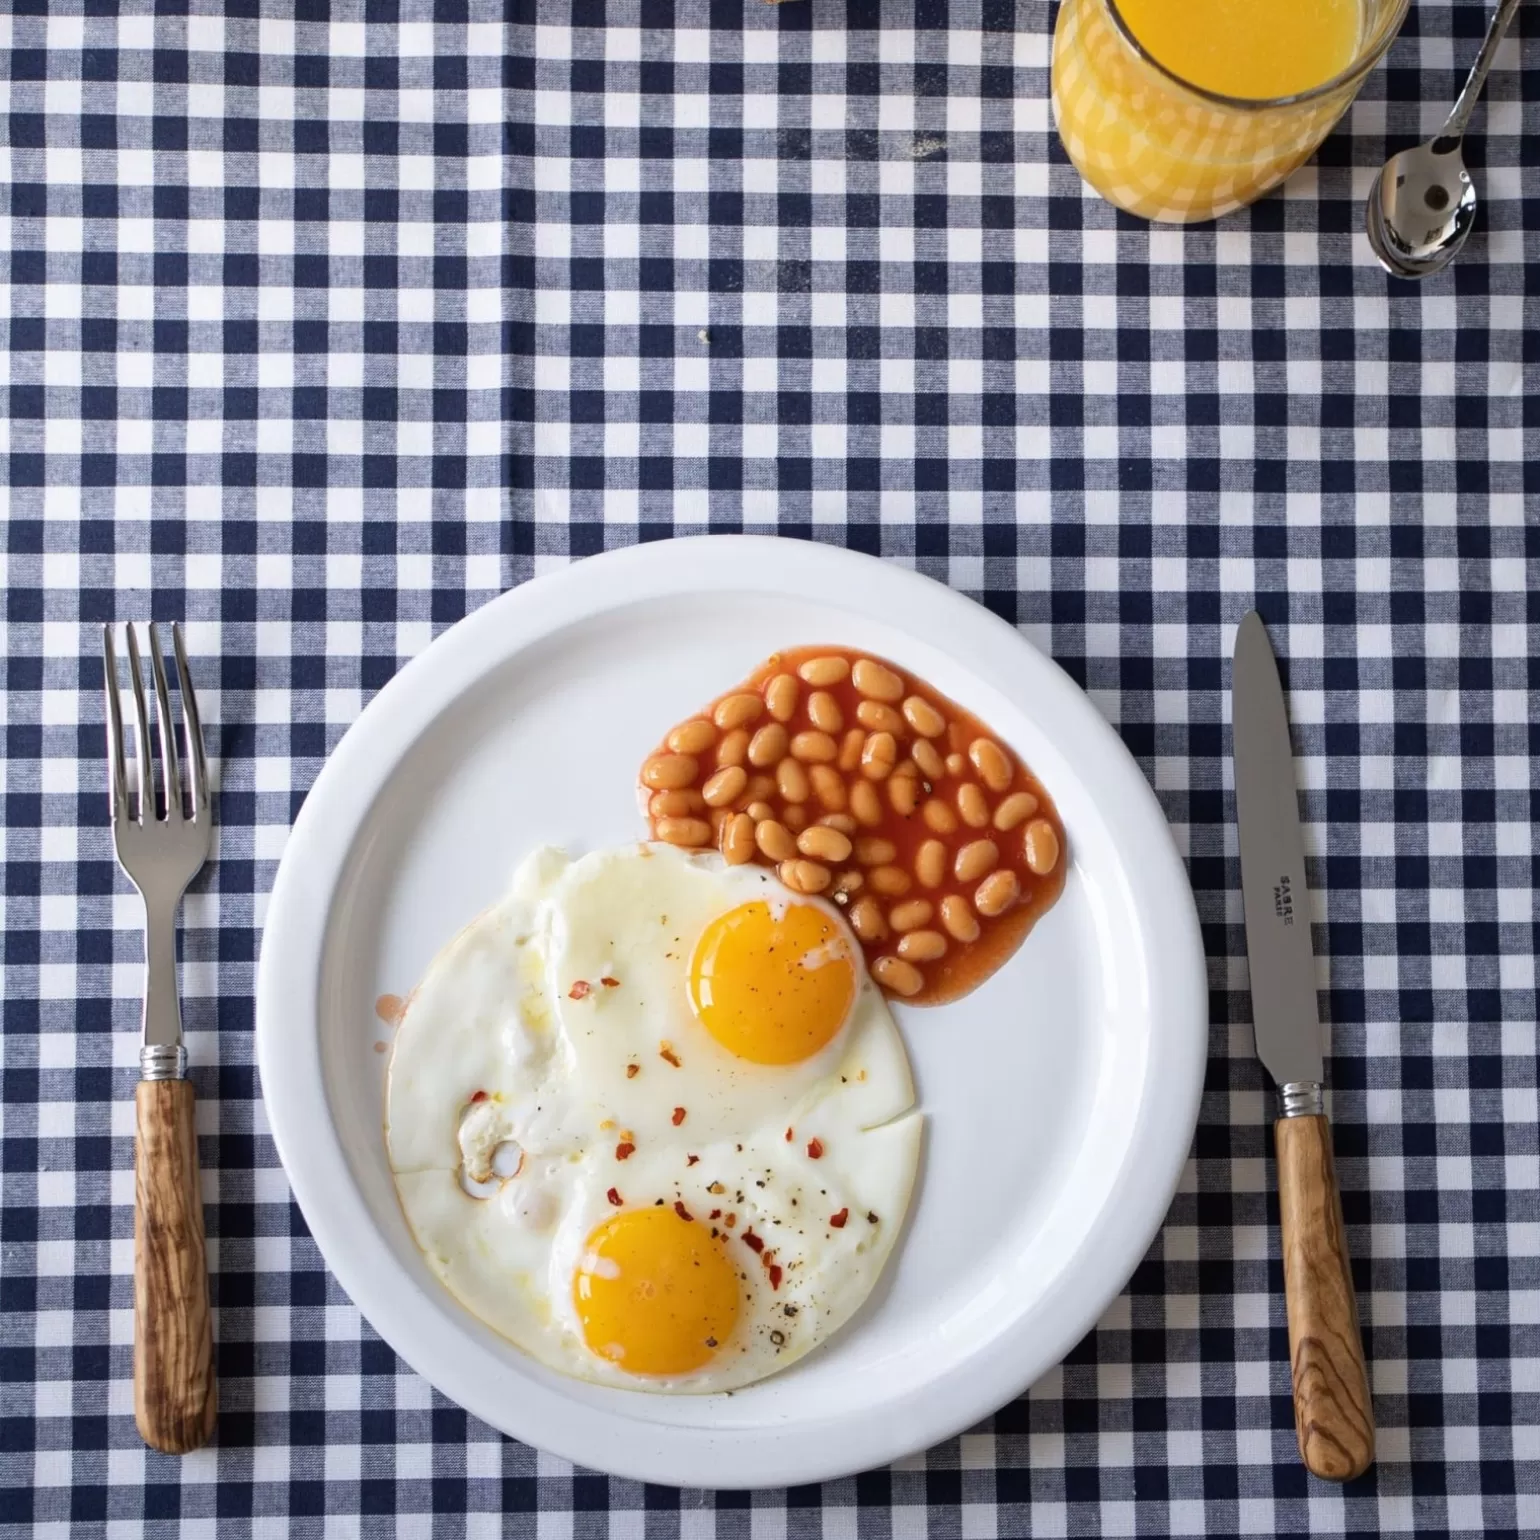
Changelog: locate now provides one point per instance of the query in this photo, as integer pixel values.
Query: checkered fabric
(325, 322)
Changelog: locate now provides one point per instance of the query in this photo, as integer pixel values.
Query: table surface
(322, 331)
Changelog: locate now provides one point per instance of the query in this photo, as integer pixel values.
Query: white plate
(1060, 1097)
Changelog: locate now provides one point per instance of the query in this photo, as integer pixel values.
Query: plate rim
(287, 1018)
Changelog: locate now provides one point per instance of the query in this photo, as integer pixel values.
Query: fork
(161, 844)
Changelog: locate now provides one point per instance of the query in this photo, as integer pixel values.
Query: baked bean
(781, 697)
(931, 764)
(930, 863)
(876, 682)
(676, 804)
(725, 786)
(996, 893)
(904, 794)
(733, 749)
(692, 737)
(923, 717)
(737, 710)
(875, 852)
(901, 977)
(910, 915)
(972, 806)
(795, 818)
(1041, 846)
(805, 876)
(841, 821)
(690, 832)
(759, 811)
(880, 718)
(824, 844)
(1016, 808)
(878, 755)
(719, 818)
(955, 764)
(848, 882)
(850, 749)
(866, 920)
(791, 778)
(958, 918)
(939, 818)
(828, 787)
(823, 711)
(865, 805)
(825, 671)
(890, 881)
(738, 840)
(669, 772)
(775, 840)
(922, 946)
(975, 860)
(814, 747)
(989, 759)
(768, 745)
(761, 789)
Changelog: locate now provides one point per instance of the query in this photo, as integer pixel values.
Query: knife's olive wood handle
(1333, 1415)
(174, 1397)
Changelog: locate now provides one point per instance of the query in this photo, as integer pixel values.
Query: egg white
(496, 1014)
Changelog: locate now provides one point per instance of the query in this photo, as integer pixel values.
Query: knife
(1333, 1415)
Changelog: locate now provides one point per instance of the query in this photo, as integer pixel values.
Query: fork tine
(170, 770)
(141, 730)
(117, 775)
(192, 726)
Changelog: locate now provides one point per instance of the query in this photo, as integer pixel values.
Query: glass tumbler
(1160, 147)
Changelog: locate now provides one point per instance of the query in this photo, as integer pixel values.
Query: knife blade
(1333, 1413)
(1277, 898)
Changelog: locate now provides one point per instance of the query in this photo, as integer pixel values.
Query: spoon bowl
(1421, 209)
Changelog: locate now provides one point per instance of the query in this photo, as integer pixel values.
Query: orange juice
(1186, 109)
(1249, 48)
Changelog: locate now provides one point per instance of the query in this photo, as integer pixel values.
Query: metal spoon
(1422, 204)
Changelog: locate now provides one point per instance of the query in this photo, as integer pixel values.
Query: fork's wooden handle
(174, 1397)
(1333, 1415)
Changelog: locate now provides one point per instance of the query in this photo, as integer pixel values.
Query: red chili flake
(632, 1071)
(752, 1241)
(789, 1133)
(775, 1276)
(682, 1211)
(478, 1096)
(610, 983)
(692, 1160)
(838, 1220)
(581, 990)
(716, 1213)
(678, 1116)
(815, 1149)
(668, 1054)
(624, 1150)
(614, 1197)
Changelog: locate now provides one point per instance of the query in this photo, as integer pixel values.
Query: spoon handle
(1459, 118)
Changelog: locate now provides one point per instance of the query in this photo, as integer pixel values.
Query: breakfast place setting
(770, 769)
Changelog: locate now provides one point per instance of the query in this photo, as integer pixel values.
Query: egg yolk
(654, 1293)
(772, 989)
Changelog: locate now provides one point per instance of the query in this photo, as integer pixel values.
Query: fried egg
(650, 1120)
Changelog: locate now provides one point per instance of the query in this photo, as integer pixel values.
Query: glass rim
(1361, 65)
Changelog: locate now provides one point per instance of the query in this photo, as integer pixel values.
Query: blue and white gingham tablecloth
(325, 322)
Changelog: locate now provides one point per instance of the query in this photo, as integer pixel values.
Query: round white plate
(1060, 1097)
